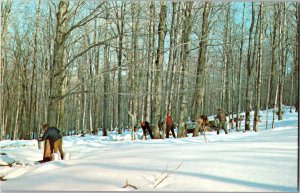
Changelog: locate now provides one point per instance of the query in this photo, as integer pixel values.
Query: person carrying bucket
(55, 139)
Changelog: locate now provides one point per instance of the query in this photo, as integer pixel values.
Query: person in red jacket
(170, 126)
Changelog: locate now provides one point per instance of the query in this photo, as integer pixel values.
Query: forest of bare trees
(83, 65)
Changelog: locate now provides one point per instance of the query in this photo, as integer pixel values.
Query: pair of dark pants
(168, 131)
(147, 130)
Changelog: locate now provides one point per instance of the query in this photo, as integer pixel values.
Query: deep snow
(261, 161)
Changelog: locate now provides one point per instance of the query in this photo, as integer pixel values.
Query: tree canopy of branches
(84, 66)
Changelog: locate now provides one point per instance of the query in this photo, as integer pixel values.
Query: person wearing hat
(55, 139)
(222, 121)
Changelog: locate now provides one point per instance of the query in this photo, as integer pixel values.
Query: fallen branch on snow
(167, 175)
(126, 185)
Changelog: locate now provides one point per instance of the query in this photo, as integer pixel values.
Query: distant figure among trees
(170, 126)
(134, 132)
(222, 121)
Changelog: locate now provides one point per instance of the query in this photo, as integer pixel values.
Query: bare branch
(167, 175)
(127, 184)
(86, 19)
(82, 53)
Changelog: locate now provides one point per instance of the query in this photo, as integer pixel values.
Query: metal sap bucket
(41, 144)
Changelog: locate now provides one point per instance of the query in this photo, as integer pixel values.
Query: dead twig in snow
(126, 185)
(162, 173)
(167, 175)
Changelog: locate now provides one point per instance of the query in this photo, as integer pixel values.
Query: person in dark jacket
(146, 129)
(55, 139)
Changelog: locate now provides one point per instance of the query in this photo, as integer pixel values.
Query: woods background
(82, 65)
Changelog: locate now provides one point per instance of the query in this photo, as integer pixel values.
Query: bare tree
(59, 66)
(273, 59)
(227, 60)
(258, 69)
(5, 11)
(282, 65)
(162, 28)
(150, 56)
(240, 70)
(249, 69)
(184, 56)
(120, 28)
(297, 56)
(106, 78)
(135, 66)
(32, 102)
(201, 62)
(173, 53)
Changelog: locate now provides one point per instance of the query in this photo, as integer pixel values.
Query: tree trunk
(184, 56)
(275, 106)
(273, 51)
(56, 75)
(227, 61)
(273, 63)
(148, 96)
(120, 27)
(33, 76)
(240, 72)
(201, 63)
(106, 98)
(162, 28)
(282, 65)
(296, 48)
(170, 71)
(174, 63)
(249, 69)
(258, 69)
(134, 66)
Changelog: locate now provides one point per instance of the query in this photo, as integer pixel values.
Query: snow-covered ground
(261, 161)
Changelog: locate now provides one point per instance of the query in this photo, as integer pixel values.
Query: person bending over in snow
(146, 129)
(55, 139)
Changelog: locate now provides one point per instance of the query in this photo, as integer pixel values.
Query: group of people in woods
(170, 126)
(53, 138)
(221, 124)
